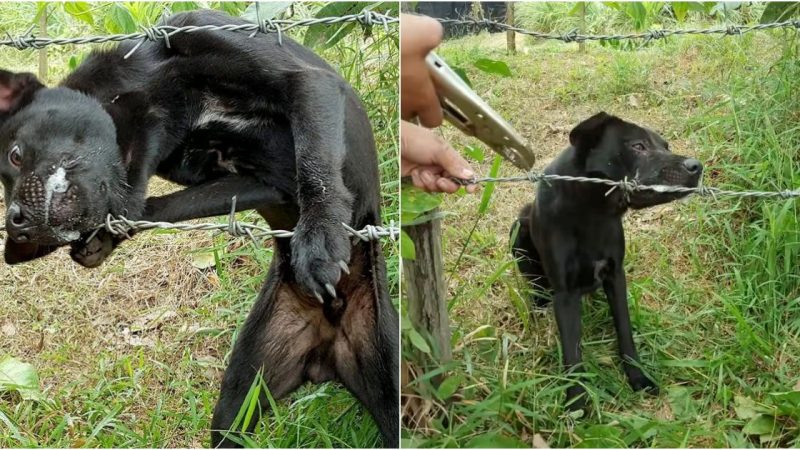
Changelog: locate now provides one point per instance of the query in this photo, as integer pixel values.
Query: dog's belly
(586, 274)
(222, 142)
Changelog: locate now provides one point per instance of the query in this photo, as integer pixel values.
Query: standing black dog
(571, 241)
(226, 115)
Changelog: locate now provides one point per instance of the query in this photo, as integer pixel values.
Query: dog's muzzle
(44, 210)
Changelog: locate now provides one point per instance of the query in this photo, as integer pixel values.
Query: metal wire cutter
(468, 112)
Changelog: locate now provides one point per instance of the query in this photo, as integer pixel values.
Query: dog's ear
(585, 137)
(16, 91)
(16, 253)
(587, 133)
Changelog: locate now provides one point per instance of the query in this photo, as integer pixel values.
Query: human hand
(418, 35)
(431, 161)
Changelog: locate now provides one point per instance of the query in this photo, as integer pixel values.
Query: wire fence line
(629, 186)
(164, 32)
(121, 226)
(575, 36)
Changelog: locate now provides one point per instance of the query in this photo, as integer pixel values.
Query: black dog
(571, 241)
(226, 115)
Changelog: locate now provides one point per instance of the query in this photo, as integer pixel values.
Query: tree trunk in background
(511, 41)
(43, 51)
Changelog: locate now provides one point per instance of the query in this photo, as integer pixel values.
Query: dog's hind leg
(527, 256)
(277, 340)
(616, 292)
(366, 346)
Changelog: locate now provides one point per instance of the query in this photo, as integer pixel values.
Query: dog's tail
(528, 260)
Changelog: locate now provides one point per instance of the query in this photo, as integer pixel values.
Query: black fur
(570, 240)
(223, 114)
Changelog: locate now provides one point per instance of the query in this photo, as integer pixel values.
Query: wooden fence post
(511, 41)
(424, 285)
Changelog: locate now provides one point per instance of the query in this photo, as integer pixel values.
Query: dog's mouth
(662, 193)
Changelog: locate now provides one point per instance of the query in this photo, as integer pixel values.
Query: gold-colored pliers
(474, 117)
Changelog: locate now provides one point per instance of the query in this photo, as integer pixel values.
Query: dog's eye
(15, 156)
(639, 147)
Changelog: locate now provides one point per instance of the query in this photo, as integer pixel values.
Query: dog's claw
(344, 267)
(319, 297)
(331, 289)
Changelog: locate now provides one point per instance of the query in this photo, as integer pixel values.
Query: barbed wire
(629, 186)
(574, 36)
(165, 32)
(121, 226)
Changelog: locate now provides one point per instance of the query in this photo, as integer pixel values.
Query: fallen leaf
(539, 442)
(21, 377)
(8, 328)
(633, 101)
(152, 320)
(203, 260)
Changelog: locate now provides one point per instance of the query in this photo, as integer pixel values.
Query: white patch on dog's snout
(56, 183)
(67, 236)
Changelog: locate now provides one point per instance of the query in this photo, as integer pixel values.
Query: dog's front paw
(92, 252)
(640, 382)
(576, 398)
(320, 253)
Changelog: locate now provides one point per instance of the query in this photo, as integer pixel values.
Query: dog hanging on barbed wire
(226, 114)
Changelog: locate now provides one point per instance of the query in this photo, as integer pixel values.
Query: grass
(714, 286)
(131, 354)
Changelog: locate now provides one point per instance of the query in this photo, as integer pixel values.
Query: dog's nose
(693, 166)
(16, 221)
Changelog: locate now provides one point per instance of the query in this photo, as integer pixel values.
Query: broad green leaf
(680, 9)
(475, 153)
(327, 35)
(231, 8)
(389, 8)
(577, 10)
(407, 249)
(177, 7)
(486, 197)
(462, 73)
(449, 387)
(418, 341)
(496, 440)
(21, 377)
(681, 401)
(788, 403)
(493, 66)
(746, 408)
(600, 436)
(762, 424)
(415, 201)
(778, 11)
(204, 260)
(267, 10)
(119, 20)
(80, 10)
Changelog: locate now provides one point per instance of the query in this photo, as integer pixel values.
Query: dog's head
(59, 163)
(611, 148)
